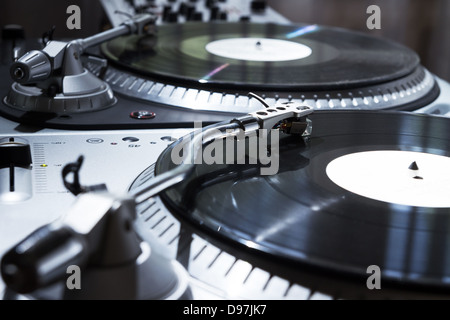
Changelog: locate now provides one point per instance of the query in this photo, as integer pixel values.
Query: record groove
(299, 215)
(340, 59)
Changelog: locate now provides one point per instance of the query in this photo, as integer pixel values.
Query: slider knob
(15, 170)
(32, 67)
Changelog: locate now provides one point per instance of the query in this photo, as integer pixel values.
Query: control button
(130, 139)
(215, 11)
(182, 9)
(190, 9)
(95, 140)
(172, 17)
(167, 9)
(196, 16)
(245, 18)
(223, 16)
(210, 3)
(142, 114)
(258, 5)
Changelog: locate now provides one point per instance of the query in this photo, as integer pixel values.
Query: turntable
(366, 186)
(179, 73)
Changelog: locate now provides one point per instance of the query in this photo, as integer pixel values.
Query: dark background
(422, 25)
(38, 16)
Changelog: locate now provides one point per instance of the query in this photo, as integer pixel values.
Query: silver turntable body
(116, 158)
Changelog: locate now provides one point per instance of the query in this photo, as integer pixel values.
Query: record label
(258, 49)
(402, 177)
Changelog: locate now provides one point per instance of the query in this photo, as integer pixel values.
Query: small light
(44, 165)
(142, 114)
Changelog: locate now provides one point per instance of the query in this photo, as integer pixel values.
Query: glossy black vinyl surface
(301, 216)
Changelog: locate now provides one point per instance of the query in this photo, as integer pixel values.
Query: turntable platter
(255, 56)
(300, 216)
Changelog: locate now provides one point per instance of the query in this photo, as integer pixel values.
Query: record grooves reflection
(340, 59)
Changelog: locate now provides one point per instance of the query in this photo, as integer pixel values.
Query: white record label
(259, 49)
(401, 177)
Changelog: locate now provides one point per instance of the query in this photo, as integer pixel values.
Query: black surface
(300, 216)
(340, 59)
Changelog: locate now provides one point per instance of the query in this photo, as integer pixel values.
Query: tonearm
(54, 80)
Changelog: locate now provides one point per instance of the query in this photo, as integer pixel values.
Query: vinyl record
(256, 56)
(394, 213)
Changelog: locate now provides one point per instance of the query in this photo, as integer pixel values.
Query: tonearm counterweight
(54, 80)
